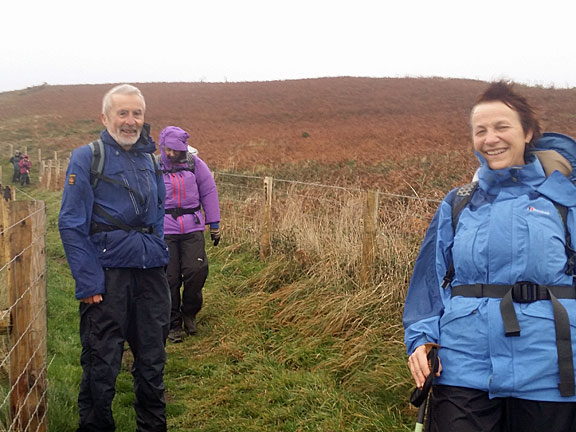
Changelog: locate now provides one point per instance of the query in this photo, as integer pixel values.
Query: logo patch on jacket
(72, 179)
(535, 210)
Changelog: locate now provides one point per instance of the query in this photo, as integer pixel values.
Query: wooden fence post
(49, 174)
(27, 300)
(57, 175)
(369, 238)
(4, 259)
(41, 177)
(267, 225)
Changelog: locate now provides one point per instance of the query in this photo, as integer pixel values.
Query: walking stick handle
(419, 397)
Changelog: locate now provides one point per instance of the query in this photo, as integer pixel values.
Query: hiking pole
(421, 415)
(419, 397)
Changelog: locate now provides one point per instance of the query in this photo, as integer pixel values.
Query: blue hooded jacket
(140, 204)
(510, 232)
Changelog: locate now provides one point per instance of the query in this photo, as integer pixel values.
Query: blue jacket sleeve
(74, 225)
(425, 298)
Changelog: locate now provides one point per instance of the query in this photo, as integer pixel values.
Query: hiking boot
(175, 335)
(189, 324)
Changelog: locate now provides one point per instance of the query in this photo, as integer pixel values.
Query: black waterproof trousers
(460, 409)
(16, 175)
(136, 309)
(188, 267)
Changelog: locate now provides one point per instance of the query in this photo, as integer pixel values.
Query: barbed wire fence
(356, 230)
(368, 237)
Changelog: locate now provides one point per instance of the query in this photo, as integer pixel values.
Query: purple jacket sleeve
(207, 191)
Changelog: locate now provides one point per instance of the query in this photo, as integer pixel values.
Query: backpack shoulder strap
(462, 198)
(98, 157)
(191, 161)
(156, 163)
(570, 252)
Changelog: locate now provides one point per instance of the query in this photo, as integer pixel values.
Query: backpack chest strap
(521, 292)
(528, 292)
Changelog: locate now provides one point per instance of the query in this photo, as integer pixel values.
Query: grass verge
(276, 350)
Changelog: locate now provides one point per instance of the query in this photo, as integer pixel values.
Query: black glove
(215, 235)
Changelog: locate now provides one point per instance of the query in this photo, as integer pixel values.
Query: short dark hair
(502, 91)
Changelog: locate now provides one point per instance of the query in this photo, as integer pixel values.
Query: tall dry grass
(312, 280)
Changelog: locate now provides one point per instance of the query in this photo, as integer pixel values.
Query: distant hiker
(112, 224)
(25, 166)
(190, 188)
(493, 285)
(15, 161)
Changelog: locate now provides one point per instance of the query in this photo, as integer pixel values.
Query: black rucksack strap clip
(449, 276)
(176, 212)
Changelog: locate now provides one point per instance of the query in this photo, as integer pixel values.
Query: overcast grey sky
(111, 41)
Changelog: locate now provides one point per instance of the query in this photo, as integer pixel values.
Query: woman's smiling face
(498, 135)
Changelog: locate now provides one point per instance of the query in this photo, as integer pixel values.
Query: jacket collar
(532, 174)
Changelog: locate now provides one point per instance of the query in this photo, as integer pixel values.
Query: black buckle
(96, 227)
(525, 292)
(176, 212)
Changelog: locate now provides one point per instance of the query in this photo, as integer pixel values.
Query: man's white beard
(126, 141)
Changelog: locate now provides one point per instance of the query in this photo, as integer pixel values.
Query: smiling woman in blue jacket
(504, 320)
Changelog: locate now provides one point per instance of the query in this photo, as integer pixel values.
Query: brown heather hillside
(397, 134)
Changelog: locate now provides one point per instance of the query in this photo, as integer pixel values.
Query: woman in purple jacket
(190, 188)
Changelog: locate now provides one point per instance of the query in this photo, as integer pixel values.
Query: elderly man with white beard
(111, 224)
